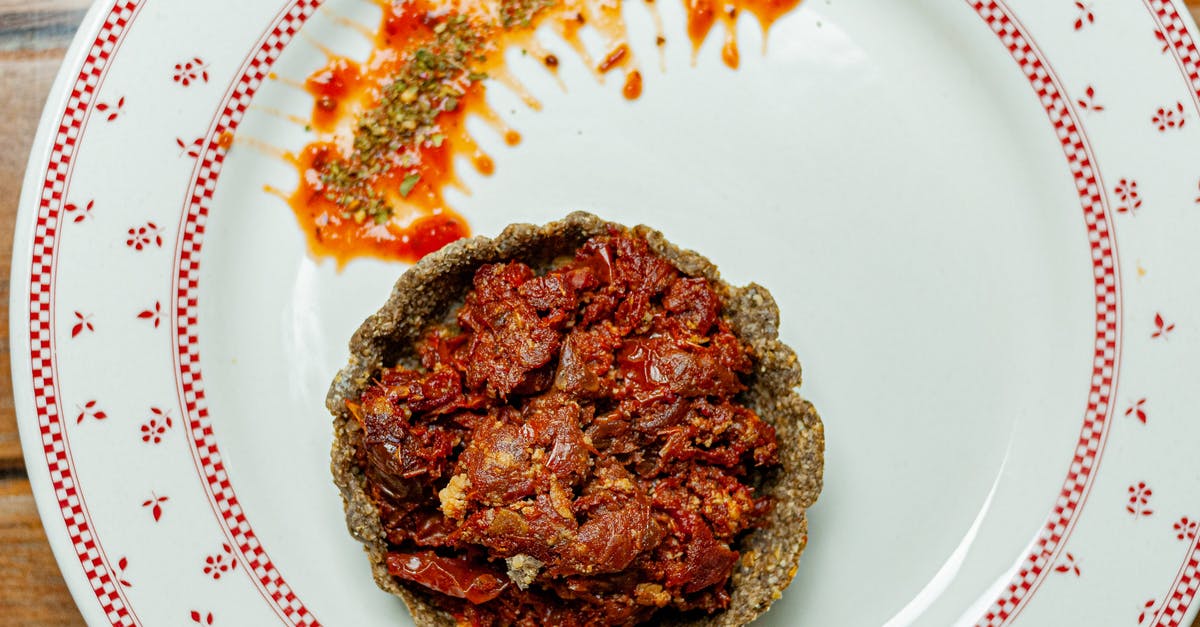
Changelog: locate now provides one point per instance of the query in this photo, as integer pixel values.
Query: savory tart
(575, 424)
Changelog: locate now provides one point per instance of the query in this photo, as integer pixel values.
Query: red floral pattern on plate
(65, 488)
(1149, 609)
(111, 111)
(89, 410)
(83, 322)
(191, 149)
(154, 314)
(122, 564)
(1068, 565)
(1166, 45)
(1090, 447)
(201, 619)
(1130, 199)
(210, 152)
(1185, 529)
(190, 71)
(1169, 117)
(1137, 409)
(154, 429)
(1162, 328)
(1087, 102)
(143, 236)
(219, 563)
(1085, 15)
(155, 504)
(79, 212)
(1170, 612)
(1139, 500)
(1174, 34)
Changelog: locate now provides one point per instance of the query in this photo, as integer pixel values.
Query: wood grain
(31, 588)
(33, 39)
(26, 79)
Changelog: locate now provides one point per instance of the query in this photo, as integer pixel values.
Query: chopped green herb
(407, 185)
(428, 83)
(521, 13)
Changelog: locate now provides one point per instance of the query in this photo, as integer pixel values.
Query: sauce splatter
(388, 129)
(633, 85)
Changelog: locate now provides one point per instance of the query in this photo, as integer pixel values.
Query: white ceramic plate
(934, 191)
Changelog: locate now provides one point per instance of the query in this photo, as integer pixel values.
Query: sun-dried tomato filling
(571, 451)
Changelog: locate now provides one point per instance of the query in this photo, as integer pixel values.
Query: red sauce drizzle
(417, 219)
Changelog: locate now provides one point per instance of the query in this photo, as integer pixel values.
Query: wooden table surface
(33, 38)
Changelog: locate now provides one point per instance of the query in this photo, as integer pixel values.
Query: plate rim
(87, 39)
(20, 296)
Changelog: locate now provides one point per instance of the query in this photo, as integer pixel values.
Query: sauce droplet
(633, 85)
(729, 52)
(613, 59)
(484, 164)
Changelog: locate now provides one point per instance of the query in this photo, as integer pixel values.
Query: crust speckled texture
(430, 291)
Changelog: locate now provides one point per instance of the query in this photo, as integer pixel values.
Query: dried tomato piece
(533, 528)
(454, 577)
(509, 342)
(706, 562)
(585, 360)
(639, 269)
(727, 504)
(394, 444)
(496, 460)
(610, 540)
(439, 347)
(694, 304)
(554, 290)
(555, 419)
(656, 365)
(596, 255)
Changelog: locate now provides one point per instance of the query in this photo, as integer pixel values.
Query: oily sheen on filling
(570, 448)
